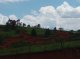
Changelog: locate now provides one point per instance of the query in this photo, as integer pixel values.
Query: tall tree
(38, 26)
(24, 24)
(18, 22)
(55, 28)
(11, 23)
(28, 26)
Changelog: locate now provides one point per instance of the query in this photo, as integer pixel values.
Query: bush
(33, 32)
(47, 32)
(4, 35)
(21, 43)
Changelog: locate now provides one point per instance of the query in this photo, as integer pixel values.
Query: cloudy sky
(48, 13)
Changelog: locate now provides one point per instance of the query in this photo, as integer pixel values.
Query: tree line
(16, 24)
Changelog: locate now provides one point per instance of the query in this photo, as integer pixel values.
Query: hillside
(27, 39)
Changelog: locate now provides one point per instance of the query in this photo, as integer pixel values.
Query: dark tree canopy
(33, 32)
(39, 26)
(24, 24)
(47, 32)
(11, 24)
(28, 26)
(55, 29)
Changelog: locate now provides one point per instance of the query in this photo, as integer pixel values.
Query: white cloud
(70, 16)
(64, 16)
(70, 23)
(3, 19)
(65, 7)
(12, 17)
(67, 11)
(45, 16)
(39, 19)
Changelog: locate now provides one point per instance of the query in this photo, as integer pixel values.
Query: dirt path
(61, 54)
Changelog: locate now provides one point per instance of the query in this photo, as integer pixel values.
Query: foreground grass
(39, 48)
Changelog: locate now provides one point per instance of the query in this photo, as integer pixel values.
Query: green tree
(24, 24)
(61, 29)
(33, 32)
(10, 24)
(55, 29)
(47, 32)
(38, 26)
(28, 26)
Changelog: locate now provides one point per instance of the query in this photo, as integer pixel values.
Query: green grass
(6, 34)
(39, 48)
(70, 44)
(38, 30)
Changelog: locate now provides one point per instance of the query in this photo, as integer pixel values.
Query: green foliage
(6, 34)
(21, 43)
(38, 26)
(33, 32)
(40, 32)
(47, 32)
(39, 48)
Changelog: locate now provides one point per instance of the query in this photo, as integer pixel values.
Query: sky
(48, 13)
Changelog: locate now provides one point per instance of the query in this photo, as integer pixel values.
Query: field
(14, 42)
(39, 48)
(71, 53)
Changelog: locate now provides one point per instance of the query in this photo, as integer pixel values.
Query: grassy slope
(35, 48)
(39, 48)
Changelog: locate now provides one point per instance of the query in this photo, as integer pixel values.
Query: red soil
(61, 54)
(31, 39)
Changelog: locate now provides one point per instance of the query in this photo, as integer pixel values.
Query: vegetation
(47, 32)
(33, 32)
(22, 38)
(39, 48)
